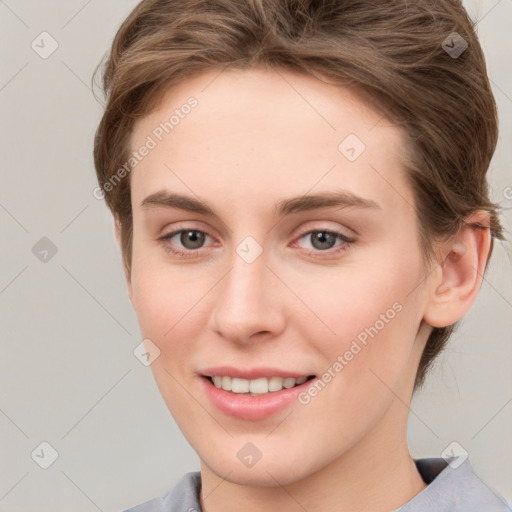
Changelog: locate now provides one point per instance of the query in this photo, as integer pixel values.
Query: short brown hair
(395, 53)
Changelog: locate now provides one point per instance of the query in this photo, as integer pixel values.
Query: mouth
(253, 393)
(256, 387)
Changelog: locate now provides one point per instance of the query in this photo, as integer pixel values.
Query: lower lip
(252, 407)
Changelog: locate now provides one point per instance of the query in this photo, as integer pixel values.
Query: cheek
(171, 304)
(157, 294)
(357, 298)
(165, 309)
(160, 302)
(372, 317)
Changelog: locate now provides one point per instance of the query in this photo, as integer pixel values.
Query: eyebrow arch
(340, 199)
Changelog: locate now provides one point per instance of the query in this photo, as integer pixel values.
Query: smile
(250, 395)
(256, 387)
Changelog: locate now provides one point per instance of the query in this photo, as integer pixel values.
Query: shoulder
(183, 497)
(453, 486)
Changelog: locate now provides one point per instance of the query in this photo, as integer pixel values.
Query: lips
(258, 404)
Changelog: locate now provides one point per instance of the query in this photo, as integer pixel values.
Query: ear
(457, 280)
(117, 231)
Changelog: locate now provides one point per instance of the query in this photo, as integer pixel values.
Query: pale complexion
(258, 138)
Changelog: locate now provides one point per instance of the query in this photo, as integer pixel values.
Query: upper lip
(250, 373)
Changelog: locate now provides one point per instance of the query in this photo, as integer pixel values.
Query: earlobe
(458, 279)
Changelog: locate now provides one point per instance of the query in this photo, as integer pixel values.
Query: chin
(274, 472)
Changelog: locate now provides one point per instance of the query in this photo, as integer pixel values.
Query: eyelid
(331, 231)
(320, 225)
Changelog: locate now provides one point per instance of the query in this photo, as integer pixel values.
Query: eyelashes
(196, 236)
(329, 235)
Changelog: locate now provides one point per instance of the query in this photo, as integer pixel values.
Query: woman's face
(275, 237)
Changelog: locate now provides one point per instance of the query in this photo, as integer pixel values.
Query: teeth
(289, 382)
(226, 383)
(259, 386)
(275, 383)
(238, 385)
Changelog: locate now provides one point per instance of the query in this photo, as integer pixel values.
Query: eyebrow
(303, 203)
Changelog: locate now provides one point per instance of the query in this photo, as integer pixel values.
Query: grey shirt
(452, 487)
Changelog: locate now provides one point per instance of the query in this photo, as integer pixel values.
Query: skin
(258, 137)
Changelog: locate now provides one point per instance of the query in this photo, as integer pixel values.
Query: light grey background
(68, 375)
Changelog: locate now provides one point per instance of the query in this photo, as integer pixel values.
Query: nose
(248, 303)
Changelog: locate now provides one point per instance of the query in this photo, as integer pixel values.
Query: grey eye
(191, 238)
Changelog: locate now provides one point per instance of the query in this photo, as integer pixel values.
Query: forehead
(259, 132)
